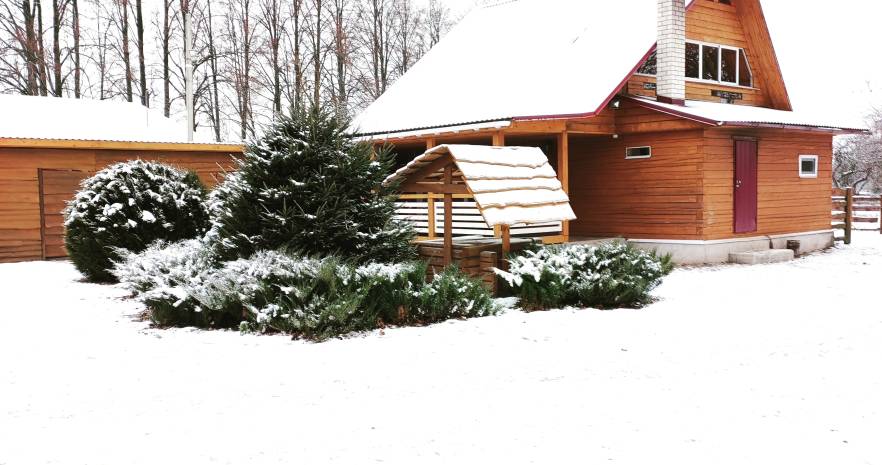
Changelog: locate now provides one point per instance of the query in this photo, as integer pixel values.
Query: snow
(31, 117)
(725, 114)
(511, 185)
(733, 365)
(485, 69)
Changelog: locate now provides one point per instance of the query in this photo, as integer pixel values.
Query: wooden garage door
(56, 188)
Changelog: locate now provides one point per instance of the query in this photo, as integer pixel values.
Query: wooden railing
(467, 219)
(849, 208)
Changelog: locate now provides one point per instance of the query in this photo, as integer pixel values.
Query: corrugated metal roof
(723, 114)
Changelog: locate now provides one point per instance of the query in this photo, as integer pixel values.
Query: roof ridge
(494, 3)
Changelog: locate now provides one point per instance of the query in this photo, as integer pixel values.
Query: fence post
(849, 213)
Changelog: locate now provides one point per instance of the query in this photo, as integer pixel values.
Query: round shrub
(128, 206)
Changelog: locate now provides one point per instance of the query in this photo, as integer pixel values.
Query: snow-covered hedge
(607, 276)
(183, 284)
(127, 206)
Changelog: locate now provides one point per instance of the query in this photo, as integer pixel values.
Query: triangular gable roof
(511, 185)
(520, 59)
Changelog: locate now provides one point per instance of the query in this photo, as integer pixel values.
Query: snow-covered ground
(774, 364)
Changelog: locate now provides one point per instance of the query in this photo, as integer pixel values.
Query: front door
(745, 186)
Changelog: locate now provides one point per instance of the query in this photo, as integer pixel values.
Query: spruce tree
(307, 187)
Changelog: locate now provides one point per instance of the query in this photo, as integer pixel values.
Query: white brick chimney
(671, 52)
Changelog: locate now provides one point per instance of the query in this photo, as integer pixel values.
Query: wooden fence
(467, 220)
(850, 209)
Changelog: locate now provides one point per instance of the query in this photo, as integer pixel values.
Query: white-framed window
(707, 62)
(808, 166)
(636, 153)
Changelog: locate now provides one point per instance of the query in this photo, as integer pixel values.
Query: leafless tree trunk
(139, 32)
(342, 50)
(317, 53)
(123, 25)
(58, 10)
(76, 49)
(296, 16)
(165, 45)
(241, 36)
(44, 90)
(213, 61)
(408, 22)
(272, 22)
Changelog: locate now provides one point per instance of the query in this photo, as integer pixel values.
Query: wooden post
(880, 213)
(563, 173)
(498, 141)
(430, 144)
(448, 217)
(430, 198)
(506, 239)
(849, 213)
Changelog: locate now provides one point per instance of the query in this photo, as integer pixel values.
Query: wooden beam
(436, 188)
(430, 143)
(498, 141)
(431, 203)
(448, 218)
(563, 171)
(429, 169)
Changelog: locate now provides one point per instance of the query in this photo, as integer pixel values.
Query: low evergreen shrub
(185, 285)
(126, 207)
(607, 276)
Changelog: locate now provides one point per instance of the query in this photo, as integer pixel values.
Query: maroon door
(745, 186)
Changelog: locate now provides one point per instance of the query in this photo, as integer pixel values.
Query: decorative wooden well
(511, 186)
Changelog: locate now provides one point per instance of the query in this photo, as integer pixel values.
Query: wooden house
(669, 124)
(48, 145)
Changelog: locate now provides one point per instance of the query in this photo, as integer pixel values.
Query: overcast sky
(829, 52)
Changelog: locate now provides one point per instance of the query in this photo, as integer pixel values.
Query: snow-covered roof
(723, 114)
(511, 185)
(50, 118)
(519, 59)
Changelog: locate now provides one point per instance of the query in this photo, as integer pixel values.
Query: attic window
(710, 62)
(636, 153)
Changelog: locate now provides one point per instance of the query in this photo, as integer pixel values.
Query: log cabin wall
(652, 198)
(787, 203)
(717, 23)
(21, 221)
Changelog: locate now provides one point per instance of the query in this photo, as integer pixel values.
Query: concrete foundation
(715, 252)
(762, 257)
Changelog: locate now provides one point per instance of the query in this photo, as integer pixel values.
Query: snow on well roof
(724, 114)
(50, 118)
(511, 185)
(519, 59)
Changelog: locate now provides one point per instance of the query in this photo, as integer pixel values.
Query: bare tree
(318, 50)
(214, 108)
(58, 9)
(342, 50)
(857, 160)
(76, 48)
(139, 42)
(438, 21)
(241, 36)
(409, 42)
(273, 24)
(19, 51)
